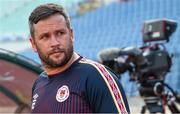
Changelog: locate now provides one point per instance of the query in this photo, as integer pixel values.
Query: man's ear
(33, 44)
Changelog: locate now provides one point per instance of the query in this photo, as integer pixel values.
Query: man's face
(53, 41)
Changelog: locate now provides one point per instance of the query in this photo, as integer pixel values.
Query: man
(70, 83)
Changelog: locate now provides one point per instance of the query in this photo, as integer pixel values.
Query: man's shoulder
(41, 78)
(89, 65)
(97, 71)
(94, 68)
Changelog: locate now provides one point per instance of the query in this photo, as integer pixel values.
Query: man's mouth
(57, 53)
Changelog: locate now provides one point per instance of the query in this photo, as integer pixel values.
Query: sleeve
(42, 75)
(104, 92)
(33, 87)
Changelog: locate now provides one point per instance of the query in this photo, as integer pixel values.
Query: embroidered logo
(34, 101)
(62, 93)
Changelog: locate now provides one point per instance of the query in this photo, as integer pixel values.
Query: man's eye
(44, 37)
(60, 33)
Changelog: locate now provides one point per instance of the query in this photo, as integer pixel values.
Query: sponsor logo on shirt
(62, 93)
(34, 101)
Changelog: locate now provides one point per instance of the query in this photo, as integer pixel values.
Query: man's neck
(52, 71)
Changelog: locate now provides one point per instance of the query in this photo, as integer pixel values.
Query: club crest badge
(62, 93)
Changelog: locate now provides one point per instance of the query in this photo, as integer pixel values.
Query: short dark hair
(45, 11)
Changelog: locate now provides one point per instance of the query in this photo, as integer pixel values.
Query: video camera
(148, 64)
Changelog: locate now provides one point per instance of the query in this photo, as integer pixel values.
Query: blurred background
(97, 24)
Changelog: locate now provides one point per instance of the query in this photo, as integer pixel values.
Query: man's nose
(54, 41)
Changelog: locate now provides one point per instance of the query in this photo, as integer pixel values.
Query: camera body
(158, 60)
(157, 64)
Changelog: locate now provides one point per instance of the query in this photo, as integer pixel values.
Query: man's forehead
(56, 18)
(52, 22)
